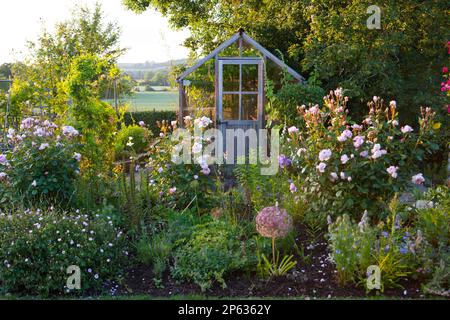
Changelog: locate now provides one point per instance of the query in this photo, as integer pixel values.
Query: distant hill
(138, 71)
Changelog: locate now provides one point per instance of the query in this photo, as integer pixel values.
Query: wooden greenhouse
(237, 94)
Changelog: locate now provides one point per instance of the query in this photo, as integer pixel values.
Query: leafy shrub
(155, 252)
(96, 120)
(177, 184)
(345, 167)
(42, 163)
(138, 143)
(434, 222)
(389, 246)
(284, 103)
(37, 247)
(150, 118)
(213, 250)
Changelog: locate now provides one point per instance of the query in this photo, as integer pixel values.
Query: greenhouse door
(240, 100)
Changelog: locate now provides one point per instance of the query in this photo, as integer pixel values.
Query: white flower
(301, 151)
(407, 129)
(195, 177)
(392, 170)
(343, 177)
(34, 183)
(293, 130)
(418, 179)
(313, 110)
(325, 155)
(197, 147)
(358, 141)
(172, 190)
(202, 122)
(206, 171)
(3, 159)
(344, 159)
(174, 123)
(70, 131)
(338, 92)
(334, 177)
(394, 123)
(130, 142)
(77, 156)
(393, 104)
(44, 146)
(142, 123)
(321, 167)
(347, 134)
(377, 152)
(357, 127)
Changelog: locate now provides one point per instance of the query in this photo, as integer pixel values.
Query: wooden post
(181, 102)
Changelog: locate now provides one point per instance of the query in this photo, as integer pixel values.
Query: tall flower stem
(273, 250)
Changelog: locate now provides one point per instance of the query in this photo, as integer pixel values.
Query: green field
(156, 100)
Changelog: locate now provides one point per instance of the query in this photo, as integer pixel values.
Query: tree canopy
(329, 40)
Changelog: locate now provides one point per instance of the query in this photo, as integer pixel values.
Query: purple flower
(403, 250)
(292, 188)
(284, 161)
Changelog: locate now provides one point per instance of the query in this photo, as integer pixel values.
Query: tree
(5, 71)
(38, 80)
(329, 40)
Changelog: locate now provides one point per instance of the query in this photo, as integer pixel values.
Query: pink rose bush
(173, 180)
(345, 166)
(41, 160)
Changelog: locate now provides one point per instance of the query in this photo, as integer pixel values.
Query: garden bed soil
(315, 279)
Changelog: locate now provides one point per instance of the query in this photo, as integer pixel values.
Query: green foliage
(355, 247)
(330, 40)
(401, 60)
(276, 268)
(214, 250)
(355, 176)
(43, 164)
(140, 140)
(150, 118)
(434, 222)
(284, 103)
(94, 119)
(155, 252)
(37, 247)
(38, 81)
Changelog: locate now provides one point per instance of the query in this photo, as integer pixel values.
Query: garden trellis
(239, 83)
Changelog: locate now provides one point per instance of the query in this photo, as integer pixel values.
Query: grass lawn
(155, 100)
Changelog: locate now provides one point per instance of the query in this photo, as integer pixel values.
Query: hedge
(150, 118)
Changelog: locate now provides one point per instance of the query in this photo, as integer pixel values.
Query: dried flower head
(273, 222)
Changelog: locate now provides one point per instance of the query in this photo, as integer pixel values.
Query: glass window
(230, 107)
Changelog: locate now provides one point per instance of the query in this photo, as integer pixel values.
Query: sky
(147, 36)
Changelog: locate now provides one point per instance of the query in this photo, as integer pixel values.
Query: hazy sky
(148, 36)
